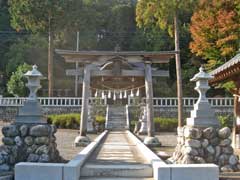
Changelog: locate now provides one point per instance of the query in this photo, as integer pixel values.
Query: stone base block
(152, 142)
(82, 141)
(39, 171)
(186, 172)
(28, 143)
(206, 145)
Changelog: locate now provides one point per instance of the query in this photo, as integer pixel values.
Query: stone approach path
(116, 158)
(65, 139)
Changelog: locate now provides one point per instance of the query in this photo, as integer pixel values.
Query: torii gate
(116, 64)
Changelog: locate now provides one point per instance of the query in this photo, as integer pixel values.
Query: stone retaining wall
(9, 113)
(28, 143)
(208, 145)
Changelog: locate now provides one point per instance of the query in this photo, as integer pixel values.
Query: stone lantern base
(28, 143)
(206, 145)
(152, 142)
(82, 141)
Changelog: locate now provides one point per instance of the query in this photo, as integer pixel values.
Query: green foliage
(161, 13)
(226, 121)
(161, 124)
(100, 119)
(4, 16)
(16, 84)
(230, 85)
(70, 121)
(35, 15)
(165, 124)
(32, 50)
(215, 31)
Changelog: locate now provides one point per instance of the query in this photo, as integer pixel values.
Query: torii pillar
(82, 139)
(150, 140)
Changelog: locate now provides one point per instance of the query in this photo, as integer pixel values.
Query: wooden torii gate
(121, 64)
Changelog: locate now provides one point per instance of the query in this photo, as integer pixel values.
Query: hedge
(170, 124)
(70, 121)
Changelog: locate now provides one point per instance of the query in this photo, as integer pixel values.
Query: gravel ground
(65, 143)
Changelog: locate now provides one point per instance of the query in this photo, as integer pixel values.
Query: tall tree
(16, 84)
(39, 16)
(215, 30)
(164, 14)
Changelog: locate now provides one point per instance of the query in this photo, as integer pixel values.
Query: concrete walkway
(116, 158)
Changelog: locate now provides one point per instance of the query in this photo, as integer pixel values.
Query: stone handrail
(77, 102)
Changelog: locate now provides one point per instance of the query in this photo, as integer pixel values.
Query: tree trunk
(178, 72)
(50, 60)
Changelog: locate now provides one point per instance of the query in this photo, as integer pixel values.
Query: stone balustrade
(163, 107)
(157, 102)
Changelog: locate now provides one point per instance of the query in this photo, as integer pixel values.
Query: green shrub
(165, 124)
(70, 121)
(226, 121)
(100, 119)
(161, 124)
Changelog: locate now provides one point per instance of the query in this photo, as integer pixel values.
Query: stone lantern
(31, 112)
(34, 77)
(202, 115)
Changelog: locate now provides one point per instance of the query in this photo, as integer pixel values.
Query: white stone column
(150, 140)
(76, 81)
(82, 139)
(90, 120)
(149, 98)
(143, 121)
(85, 100)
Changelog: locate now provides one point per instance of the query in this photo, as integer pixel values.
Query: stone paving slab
(117, 157)
(116, 148)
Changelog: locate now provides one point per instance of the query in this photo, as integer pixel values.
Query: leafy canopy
(215, 31)
(160, 13)
(35, 15)
(16, 84)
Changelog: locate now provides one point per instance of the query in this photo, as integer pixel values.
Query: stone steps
(117, 118)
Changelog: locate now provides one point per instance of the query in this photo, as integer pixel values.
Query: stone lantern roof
(201, 75)
(34, 72)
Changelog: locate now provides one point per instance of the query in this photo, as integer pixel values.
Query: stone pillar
(150, 140)
(90, 128)
(82, 139)
(76, 81)
(143, 121)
